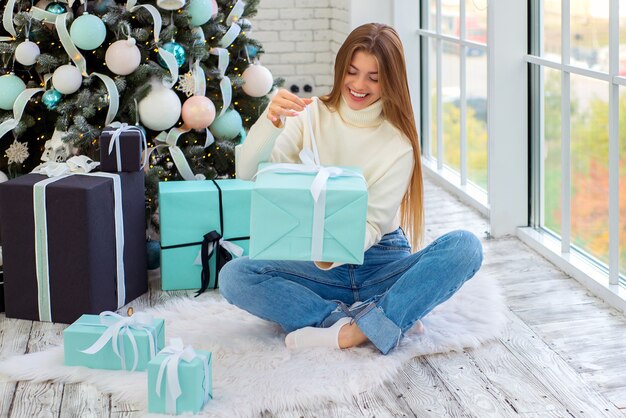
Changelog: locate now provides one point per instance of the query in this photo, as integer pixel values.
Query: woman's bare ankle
(351, 335)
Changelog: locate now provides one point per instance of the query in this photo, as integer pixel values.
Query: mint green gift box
(281, 217)
(191, 377)
(87, 329)
(190, 209)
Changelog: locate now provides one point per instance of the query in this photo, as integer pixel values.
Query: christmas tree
(171, 66)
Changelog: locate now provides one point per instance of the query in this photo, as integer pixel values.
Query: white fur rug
(252, 369)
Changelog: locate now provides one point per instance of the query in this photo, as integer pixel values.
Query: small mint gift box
(296, 215)
(189, 212)
(112, 342)
(179, 379)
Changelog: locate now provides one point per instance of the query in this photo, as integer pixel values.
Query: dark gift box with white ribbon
(72, 244)
(121, 148)
(1, 290)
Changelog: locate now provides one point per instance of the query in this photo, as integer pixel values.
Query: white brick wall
(301, 37)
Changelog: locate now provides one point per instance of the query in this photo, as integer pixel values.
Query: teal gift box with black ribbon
(180, 379)
(202, 224)
(112, 342)
(308, 212)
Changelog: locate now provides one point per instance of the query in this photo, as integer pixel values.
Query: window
(578, 117)
(453, 37)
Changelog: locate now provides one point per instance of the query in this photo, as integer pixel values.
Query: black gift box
(81, 244)
(131, 147)
(1, 291)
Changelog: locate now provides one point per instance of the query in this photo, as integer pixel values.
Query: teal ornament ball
(252, 50)
(51, 98)
(10, 87)
(201, 11)
(153, 251)
(101, 6)
(227, 126)
(88, 32)
(56, 8)
(175, 49)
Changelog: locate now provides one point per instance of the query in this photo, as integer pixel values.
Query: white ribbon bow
(177, 352)
(123, 326)
(115, 142)
(78, 164)
(231, 247)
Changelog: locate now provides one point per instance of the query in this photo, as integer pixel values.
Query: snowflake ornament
(187, 84)
(17, 152)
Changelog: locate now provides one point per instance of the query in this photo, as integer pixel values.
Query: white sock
(316, 337)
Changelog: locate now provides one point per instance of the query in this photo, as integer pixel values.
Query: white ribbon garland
(311, 164)
(121, 326)
(7, 20)
(115, 142)
(81, 64)
(169, 140)
(18, 110)
(169, 367)
(166, 56)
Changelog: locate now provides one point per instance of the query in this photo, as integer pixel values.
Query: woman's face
(360, 85)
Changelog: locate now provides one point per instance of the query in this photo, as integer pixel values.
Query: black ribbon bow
(222, 256)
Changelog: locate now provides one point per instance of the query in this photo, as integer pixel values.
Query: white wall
(301, 37)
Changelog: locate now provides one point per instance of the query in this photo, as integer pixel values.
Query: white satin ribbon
(311, 164)
(166, 56)
(78, 164)
(169, 140)
(176, 352)
(7, 19)
(81, 64)
(18, 110)
(118, 326)
(231, 247)
(115, 142)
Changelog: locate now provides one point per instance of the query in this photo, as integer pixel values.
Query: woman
(366, 121)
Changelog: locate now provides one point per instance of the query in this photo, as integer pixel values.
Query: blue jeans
(396, 288)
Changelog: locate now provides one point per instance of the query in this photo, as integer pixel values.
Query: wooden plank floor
(563, 353)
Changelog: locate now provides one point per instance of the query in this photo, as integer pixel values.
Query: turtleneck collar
(371, 116)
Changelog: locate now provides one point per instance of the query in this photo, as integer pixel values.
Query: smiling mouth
(357, 95)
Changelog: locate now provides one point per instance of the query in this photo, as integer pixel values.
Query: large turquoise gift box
(210, 213)
(112, 342)
(180, 379)
(316, 214)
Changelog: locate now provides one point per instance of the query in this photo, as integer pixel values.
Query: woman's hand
(285, 104)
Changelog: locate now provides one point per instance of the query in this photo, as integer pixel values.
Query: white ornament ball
(160, 109)
(3, 177)
(123, 57)
(258, 80)
(67, 79)
(27, 52)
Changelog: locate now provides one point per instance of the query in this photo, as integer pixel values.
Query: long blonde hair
(384, 44)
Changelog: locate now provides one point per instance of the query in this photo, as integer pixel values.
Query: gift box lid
(90, 324)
